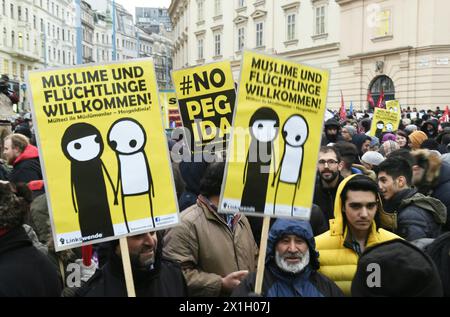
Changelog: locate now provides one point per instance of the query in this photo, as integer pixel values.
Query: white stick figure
(127, 138)
(295, 134)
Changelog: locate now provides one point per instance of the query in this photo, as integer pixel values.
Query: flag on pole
(342, 114)
(445, 116)
(351, 108)
(370, 99)
(380, 99)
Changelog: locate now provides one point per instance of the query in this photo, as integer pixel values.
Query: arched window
(380, 83)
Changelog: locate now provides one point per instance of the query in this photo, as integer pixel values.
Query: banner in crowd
(169, 108)
(277, 129)
(103, 151)
(206, 98)
(394, 106)
(384, 121)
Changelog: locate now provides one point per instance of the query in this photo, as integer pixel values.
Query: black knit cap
(405, 271)
(332, 123)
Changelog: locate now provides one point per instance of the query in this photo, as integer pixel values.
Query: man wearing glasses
(328, 180)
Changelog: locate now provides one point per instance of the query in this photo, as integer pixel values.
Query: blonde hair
(18, 141)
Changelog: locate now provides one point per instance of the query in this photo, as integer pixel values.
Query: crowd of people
(379, 201)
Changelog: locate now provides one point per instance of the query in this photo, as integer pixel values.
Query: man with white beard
(291, 265)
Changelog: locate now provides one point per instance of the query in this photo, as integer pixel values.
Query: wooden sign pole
(262, 255)
(127, 267)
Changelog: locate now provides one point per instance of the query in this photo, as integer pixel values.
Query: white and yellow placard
(277, 129)
(103, 151)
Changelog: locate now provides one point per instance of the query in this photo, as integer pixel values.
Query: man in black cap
(332, 132)
(396, 268)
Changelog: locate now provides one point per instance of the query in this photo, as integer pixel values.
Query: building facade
(131, 41)
(153, 19)
(87, 25)
(208, 31)
(35, 34)
(401, 47)
(366, 44)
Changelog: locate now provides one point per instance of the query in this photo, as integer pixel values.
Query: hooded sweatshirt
(337, 260)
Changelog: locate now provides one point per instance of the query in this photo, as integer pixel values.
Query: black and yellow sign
(206, 98)
(384, 120)
(169, 107)
(277, 129)
(103, 151)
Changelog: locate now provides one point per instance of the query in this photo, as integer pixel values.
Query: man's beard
(139, 263)
(331, 137)
(292, 268)
(334, 175)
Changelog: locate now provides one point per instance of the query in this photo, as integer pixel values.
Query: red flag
(370, 99)
(380, 99)
(342, 114)
(445, 116)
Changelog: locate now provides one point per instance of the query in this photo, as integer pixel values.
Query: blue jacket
(278, 283)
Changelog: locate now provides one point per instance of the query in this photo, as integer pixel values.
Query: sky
(131, 4)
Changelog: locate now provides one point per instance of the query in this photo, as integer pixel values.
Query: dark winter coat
(191, 174)
(277, 283)
(324, 198)
(26, 167)
(418, 216)
(434, 123)
(25, 271)
(164, 280)
(442, 190)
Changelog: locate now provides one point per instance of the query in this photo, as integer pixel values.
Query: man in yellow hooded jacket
(353, 229)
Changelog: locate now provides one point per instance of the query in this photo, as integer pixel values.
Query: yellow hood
(337, 224)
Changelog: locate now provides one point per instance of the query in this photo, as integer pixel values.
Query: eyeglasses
(329, 162)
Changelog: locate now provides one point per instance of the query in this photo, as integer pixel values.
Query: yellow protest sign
(384, 120)
(103, 151)
(206, 99)
(277, 129)
(394, 106)
(169, 106)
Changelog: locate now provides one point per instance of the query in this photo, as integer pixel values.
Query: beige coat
(208, 250)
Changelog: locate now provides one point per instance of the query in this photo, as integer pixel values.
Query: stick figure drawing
(127, 138)
(82, 144)
(295, 134)
(264, 125)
